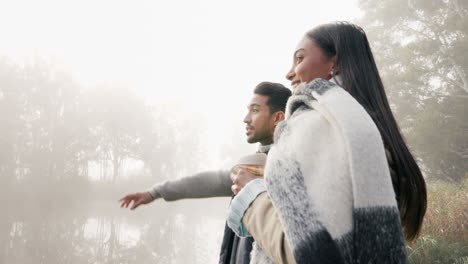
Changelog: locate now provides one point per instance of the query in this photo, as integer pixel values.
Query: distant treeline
(53, 129)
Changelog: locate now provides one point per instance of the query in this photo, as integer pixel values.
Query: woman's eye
(299, 58)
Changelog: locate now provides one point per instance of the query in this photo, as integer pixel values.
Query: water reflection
(164, 233)
(128, 237)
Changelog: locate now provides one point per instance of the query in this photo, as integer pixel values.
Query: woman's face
(309, 63)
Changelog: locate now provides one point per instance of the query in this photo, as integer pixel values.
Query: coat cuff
(154, 193)
(241, 203)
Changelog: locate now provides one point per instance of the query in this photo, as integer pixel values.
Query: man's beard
(257, 137)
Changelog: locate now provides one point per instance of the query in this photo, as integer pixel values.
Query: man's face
(260, 123)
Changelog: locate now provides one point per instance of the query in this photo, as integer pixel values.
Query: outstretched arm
(201, 185)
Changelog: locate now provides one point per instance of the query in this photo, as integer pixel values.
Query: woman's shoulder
(301, 131)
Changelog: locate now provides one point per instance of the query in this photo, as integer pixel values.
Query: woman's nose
(290, 75)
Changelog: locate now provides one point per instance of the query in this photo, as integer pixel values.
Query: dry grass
(444, 236)
(447, 212)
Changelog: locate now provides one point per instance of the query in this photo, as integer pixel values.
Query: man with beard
(265, 111)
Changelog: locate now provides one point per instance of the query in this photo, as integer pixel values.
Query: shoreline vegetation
(444, 237)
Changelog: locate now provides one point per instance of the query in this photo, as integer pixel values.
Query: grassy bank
(444, 237)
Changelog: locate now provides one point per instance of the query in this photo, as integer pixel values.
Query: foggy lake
(53, 232)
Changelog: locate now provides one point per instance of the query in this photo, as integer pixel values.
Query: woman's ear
(334, 70)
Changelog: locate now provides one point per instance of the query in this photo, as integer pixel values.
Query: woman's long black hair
(359, 76)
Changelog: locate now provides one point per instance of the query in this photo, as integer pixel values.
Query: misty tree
(421, 47)
(39, 135)
(118, 120)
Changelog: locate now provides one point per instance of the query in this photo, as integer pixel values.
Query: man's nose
(247, 119)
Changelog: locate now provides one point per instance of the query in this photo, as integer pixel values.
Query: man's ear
(278, 117)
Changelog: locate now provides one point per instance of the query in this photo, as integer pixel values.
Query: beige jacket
(270, 237)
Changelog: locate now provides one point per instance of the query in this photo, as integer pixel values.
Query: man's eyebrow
(297, 52)
(253, 105)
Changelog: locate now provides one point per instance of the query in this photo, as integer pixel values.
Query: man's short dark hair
(277, 95)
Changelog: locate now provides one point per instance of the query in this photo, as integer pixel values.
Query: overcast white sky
(203, 57)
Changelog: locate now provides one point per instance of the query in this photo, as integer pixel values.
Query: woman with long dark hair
(340, 184)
